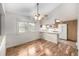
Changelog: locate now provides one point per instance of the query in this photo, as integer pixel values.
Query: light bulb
(36, 17)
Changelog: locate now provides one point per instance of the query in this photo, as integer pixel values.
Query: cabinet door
(50, 37)
(63, 31)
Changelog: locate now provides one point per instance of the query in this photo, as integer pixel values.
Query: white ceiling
(29, 8)
(67, 11)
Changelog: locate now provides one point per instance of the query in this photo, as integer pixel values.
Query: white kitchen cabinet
(50, 37)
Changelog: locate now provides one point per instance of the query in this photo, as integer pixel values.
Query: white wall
(12, 37)
(2, 36)
(2, 20)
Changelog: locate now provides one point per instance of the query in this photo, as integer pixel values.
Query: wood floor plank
(41, 47)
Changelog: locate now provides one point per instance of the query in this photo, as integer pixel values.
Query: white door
(63, 31)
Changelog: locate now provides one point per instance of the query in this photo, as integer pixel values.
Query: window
(24, 27)
(21, 26)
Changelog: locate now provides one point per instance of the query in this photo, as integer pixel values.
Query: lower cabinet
(50, 37)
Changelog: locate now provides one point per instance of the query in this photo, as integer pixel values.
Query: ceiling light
(37, 16)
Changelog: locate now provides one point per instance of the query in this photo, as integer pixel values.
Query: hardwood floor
(42, 47)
